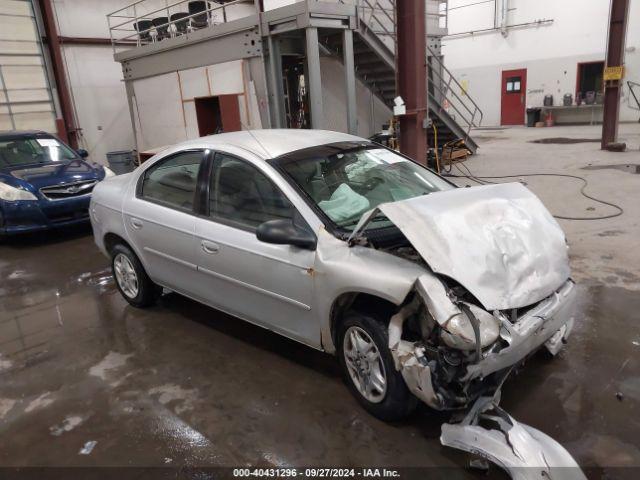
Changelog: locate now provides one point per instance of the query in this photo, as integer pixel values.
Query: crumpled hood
(498, 241)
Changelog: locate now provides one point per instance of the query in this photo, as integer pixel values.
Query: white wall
(165, 108)
(95, 78)
(100, 100)
(85, 18)
(550, 53)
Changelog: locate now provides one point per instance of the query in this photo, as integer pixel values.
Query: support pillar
(59, 73)
(133, 111)
(275, 79)
(350, 81)
(615, 57)
(411, 56)
(314, 80)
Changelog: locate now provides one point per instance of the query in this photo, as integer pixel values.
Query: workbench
(563, 114)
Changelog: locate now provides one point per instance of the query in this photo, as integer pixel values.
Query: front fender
(341, 269)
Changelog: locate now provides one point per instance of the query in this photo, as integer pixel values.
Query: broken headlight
(459, 332)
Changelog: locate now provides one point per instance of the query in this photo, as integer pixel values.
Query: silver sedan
(424, 291)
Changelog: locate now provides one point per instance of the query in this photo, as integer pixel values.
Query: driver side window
(242, 195)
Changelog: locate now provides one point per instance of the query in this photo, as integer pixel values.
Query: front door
(267, 284)
(514, 91)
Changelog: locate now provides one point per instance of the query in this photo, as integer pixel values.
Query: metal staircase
(451, 109)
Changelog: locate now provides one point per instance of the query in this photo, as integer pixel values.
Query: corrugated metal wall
(25, 94)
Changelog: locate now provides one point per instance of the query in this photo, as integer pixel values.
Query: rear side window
(243, 195)
(173, 181)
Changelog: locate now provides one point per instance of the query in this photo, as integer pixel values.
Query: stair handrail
(376, 6)
(445, 91)
(632, 84)
(445, 85)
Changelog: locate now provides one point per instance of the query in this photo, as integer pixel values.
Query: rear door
(514, 91)
(160, 219)
(267, 284)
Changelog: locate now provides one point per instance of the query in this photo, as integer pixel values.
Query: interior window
(513, 84)
(173, 181)
(590, 77)
(242, 194)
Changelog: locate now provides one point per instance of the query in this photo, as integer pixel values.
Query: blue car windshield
(28, 151)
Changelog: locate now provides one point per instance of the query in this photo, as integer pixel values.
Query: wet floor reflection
(186, 383)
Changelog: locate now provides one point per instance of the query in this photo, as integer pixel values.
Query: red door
(514, 91)
(230, 113)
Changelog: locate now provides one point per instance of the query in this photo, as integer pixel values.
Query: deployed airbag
(344, 204)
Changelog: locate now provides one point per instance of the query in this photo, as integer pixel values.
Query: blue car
(43, 182)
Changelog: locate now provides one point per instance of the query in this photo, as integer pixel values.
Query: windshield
(26, 151)
(348, 183)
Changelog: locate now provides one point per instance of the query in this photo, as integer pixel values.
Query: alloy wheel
(364, 363)
(125, 275)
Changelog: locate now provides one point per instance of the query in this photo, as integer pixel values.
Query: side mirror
(285, 232)
(82, 152)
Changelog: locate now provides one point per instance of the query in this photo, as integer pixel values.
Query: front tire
(131, 279)
(369, 369)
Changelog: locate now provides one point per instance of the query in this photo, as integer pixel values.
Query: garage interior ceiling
(26, 102)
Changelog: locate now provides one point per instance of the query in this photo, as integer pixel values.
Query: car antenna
(256, 139)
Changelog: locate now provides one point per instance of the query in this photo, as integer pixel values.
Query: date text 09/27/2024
(316, 472)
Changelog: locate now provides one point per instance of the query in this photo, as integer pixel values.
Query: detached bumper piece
(524, 452)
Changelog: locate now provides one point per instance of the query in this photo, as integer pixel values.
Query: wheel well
(111, 240)
(359, 302)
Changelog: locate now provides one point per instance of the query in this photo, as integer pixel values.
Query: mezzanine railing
(151, 21)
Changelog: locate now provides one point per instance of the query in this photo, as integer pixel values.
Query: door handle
(209, 247)
(137, 224)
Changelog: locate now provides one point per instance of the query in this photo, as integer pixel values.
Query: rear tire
(369, 370)
(131, 278)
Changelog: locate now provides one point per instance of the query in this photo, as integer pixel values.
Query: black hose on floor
(482, 181)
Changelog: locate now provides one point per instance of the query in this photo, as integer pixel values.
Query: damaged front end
(454, 355)
(496, 287)
(450, 351)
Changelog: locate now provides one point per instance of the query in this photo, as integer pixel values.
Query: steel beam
(315, 79)
(187, 54)
(411, 68)
(130, 92)
(53, 45)
(275, 81)
(350, 81)
(615, 57)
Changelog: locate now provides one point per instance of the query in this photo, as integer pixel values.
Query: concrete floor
(184, 385)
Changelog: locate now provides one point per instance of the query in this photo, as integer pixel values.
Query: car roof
(272, 143)
(13, 134)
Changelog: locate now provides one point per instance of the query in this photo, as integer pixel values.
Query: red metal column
(615, 57)
(411, 65)
(53, 44)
